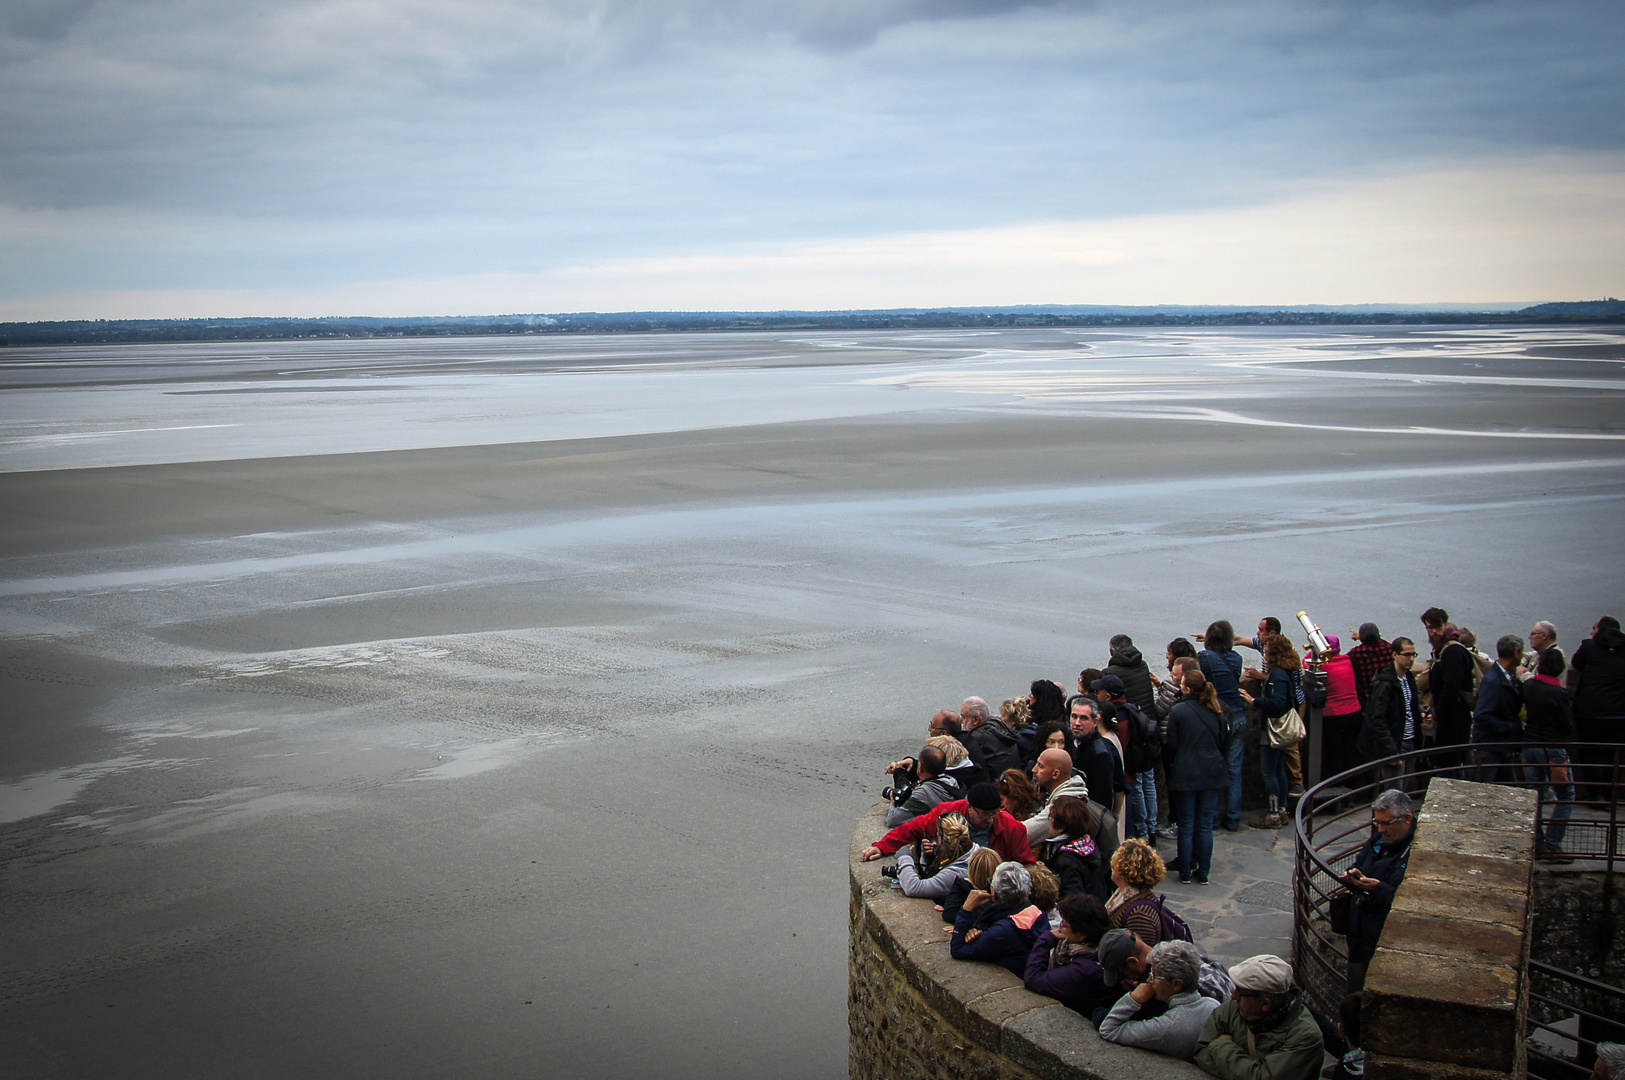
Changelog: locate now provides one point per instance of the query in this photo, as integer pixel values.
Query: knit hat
(1336, 645)
(1115, 947)
(984, 796)
(1264, 973)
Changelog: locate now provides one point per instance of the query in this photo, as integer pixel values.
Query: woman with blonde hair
(1136, 870)
(978, 875)
(951, 855)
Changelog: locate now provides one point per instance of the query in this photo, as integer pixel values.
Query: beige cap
(1266, 974)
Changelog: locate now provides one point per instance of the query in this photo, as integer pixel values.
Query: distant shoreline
(155, 331)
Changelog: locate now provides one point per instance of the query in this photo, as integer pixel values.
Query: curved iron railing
(1332, 821)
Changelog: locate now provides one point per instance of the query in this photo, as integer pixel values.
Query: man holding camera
(990, 826)
(918, 785)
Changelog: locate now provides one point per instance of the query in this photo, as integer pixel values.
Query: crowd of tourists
(1035, 830)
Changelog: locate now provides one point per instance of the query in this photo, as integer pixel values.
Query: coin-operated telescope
(1317, 640)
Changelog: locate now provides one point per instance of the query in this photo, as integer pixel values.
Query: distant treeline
(127, 331)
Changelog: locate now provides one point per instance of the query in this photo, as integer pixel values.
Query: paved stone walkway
(1247, 907)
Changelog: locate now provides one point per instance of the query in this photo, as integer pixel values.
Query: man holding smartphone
(1375, 876)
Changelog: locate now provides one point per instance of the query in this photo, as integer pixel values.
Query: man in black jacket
(1393, 712)
(992, 745)
(1500, 699)
(1450, 682)
(1377, 872)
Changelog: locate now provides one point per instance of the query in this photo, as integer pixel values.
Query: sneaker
(1200, 879)
(1294, 788)
(1268, 821)
(1184, 879)
(1553, 855)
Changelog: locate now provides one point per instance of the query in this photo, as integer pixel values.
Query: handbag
(1339, 911)
(1286, 730)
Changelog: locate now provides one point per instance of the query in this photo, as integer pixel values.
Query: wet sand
(541, 757)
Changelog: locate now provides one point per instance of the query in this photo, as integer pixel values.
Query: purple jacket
(1080, 984)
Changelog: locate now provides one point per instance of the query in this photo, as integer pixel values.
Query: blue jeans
(1197, 812)
(1141, 806)
(1235, 757)
(1273, 762)
(1538, 764)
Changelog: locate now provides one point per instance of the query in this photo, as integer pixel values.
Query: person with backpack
(1196, 752)
(1452, 679)
(1137, 869)
(1142, 749)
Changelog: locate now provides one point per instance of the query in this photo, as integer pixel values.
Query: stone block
(986, 1016)
(1452, 902)
(1385, 1067)
(1485, 843)
(1444, 794)
(1410, 998)
(1430, 864)
(1464, 939)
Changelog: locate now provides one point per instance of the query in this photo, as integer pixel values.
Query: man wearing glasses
(1376, 874)
(1393, 712)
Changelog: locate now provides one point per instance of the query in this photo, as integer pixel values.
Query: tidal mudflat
(504, 706)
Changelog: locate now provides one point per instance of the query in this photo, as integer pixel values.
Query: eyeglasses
(1390, 823)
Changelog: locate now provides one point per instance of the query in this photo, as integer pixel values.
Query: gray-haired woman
(1000, 926)
(1176, 967)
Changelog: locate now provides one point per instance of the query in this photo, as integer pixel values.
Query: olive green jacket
(1290, 1050)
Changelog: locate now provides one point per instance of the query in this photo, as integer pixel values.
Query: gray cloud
(434, 135)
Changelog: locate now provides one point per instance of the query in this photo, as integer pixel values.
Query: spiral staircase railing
(1569, 1011)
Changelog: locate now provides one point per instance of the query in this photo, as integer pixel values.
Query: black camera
(902, 785)
(888, 871)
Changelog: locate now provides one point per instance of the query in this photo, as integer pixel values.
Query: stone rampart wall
(917, 1013)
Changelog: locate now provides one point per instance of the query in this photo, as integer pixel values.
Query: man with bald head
(1054, 776)
(992, 745)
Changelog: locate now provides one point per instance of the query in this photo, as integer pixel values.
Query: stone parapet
(1446, 991)
(915, 1012)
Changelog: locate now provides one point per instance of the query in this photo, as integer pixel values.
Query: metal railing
(1332, 822)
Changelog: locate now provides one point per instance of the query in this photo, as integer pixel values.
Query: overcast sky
(311, 157)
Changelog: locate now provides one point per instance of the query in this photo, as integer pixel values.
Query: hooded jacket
(926, 794)
(1598, 678)
(1009, 836)
(1286, 1046)
(1127, 664)
(1008, 941)
(936, 886)
(1038, 825)
(995, 748)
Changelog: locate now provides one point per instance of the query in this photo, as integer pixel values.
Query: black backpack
(1145, 741)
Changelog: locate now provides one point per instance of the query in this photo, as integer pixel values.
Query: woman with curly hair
(1018, 793)
(952, 856)
(1053, 735)
(1136, 870)
(1283, 691)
